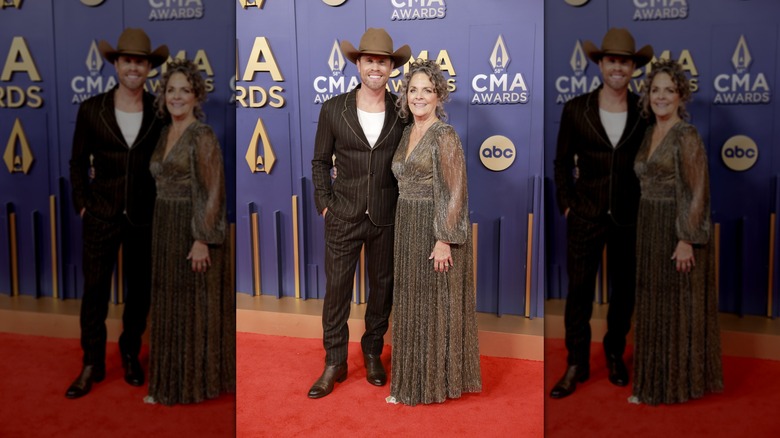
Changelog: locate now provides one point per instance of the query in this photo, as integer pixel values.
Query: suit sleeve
(209, 221)
(322, 162)
(79, 160)
(450, 189)
(564, 161)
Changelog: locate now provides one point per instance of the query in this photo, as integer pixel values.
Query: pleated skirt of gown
(192, 353)
(435, 352)
(677, 353)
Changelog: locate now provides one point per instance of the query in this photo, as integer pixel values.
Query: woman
(193, 311)
(677, 340)
(435, 350)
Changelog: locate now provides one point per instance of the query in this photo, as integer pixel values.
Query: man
(114, 193)
(362, 130)
(598, 193)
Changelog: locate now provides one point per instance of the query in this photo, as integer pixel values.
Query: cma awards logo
(648, 10)
(500, 87)
(329, 86)
(569, 87)
(162, 10)
(418, 9)
(84, 87)
(739, 153)
(18, 156)
(741, 87)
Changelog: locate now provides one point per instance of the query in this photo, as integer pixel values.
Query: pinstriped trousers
(101, 246)
(585, 243)
(343, 242)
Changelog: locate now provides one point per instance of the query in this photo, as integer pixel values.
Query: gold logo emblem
(251, 3)
(741, 58)
(21, 159)
(499, 59)
(334, 2)
(578, 60)
(258, 163)
(739, 153)
(336, 59)
(94, 61)
(10, 4)
(497, 153)
(92, 2)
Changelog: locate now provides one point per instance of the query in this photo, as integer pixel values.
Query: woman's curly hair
(191, 72)
(676, 73)
(432, 70)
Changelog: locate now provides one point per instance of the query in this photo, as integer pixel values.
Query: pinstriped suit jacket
(122, 183)
(606, 184)
(364, 181)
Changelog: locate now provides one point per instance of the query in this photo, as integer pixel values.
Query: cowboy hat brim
(399, 57)
(641, 57)
(156, 57)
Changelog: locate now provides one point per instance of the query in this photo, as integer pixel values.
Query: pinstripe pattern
(603, 202)
(119, 203)
(365, 183)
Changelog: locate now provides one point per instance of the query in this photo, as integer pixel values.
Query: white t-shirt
(614, 124)
(130, 124)
(372, 125)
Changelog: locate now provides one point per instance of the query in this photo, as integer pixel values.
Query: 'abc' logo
(739, 153)
(497, 153)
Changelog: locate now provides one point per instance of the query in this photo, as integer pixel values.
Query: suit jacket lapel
(391, 118)
(632, 119)
(594, 118)
(149, 117)
(108, 117)
(349, 114)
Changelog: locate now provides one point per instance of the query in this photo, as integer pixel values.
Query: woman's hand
(683, 257)
(199, 255)
(441, 256)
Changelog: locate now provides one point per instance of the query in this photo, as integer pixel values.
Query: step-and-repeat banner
(730, 52)
(50, 63)
(289, 63)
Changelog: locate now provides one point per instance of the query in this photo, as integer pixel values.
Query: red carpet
(275, 373)
(36, 371)
(747, 407)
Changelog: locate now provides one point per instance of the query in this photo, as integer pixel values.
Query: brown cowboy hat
(618, 41)
(134, 42)
(376, 41)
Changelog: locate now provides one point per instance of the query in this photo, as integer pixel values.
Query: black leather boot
(375, 371)
(324, 385)
(618, 373)
(83, 383)
(568, 383)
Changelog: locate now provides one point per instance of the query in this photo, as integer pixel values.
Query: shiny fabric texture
(193, 323)
(677, 353)
(435, 348)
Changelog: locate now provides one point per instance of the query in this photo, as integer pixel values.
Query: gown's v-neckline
(176, 143)
(650, 154)
(408, 153)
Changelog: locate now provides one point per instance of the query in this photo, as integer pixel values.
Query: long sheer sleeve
(692, 188)
(208, 188)
(450, 188)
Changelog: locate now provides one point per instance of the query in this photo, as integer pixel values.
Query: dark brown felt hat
(134, 42)
(376, 41)
(618, 41)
